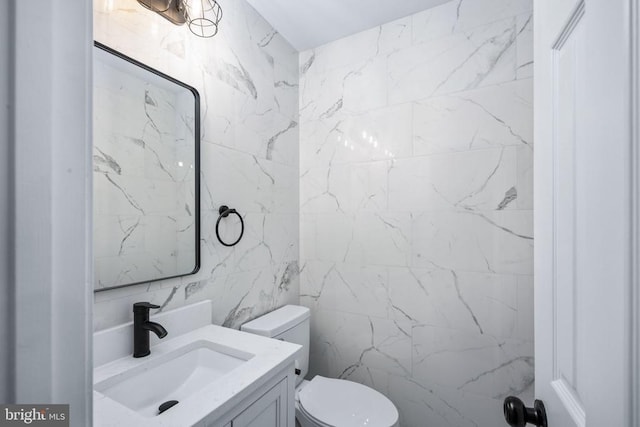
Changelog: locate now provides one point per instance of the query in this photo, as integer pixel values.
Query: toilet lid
(346, 404)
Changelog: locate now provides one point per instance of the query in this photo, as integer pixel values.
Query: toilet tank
(289, 323)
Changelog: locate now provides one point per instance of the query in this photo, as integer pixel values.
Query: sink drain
(167, 405)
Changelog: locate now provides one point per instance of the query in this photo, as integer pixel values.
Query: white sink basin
(176, 375)
(209, 369)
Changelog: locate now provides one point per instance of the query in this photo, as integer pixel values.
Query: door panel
(568, 120)
(583, 216)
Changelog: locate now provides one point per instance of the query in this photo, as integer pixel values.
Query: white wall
(46, 205)
(248, 83)
(6, 178)
(416, 210)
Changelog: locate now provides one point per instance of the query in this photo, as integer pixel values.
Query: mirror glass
(146, 145)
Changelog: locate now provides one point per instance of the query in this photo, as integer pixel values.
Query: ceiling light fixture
(202, 16)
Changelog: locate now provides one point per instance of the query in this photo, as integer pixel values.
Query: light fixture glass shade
(172, 10)
(155, 5)
(203, 17)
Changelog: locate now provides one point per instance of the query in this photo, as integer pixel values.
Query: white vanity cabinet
(221, 377)
(272, 405)
(270, 410)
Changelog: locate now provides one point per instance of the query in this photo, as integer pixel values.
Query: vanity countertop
(269, 356)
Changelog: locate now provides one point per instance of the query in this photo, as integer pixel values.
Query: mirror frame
(197, 137)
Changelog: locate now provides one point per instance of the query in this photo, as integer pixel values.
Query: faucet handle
(144, 306)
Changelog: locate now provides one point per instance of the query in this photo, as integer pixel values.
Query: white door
(583, 224)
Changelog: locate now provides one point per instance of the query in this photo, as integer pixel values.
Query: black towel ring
(224, 212)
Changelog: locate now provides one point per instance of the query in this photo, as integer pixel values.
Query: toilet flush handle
(297, 371)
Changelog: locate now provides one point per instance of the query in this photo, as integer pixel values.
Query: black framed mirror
(146, 173)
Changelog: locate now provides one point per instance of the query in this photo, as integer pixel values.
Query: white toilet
(323, 402)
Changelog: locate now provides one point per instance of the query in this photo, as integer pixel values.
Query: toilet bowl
(326, 402)
(323, 402)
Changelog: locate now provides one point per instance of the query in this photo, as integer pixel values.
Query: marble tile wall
(247, 77)
(416, 249)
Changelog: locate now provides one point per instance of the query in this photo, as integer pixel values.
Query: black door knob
(518, 415)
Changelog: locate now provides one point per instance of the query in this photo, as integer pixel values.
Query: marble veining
(404, 155)
(247, 78)
(416, 252)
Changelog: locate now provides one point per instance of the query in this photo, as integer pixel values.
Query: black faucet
(141, 328)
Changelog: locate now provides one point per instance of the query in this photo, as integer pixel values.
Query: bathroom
(385, 181)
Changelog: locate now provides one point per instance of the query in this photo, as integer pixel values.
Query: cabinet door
(270, 410)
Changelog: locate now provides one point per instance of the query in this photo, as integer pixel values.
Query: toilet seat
(332, 402)
(300, 412)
